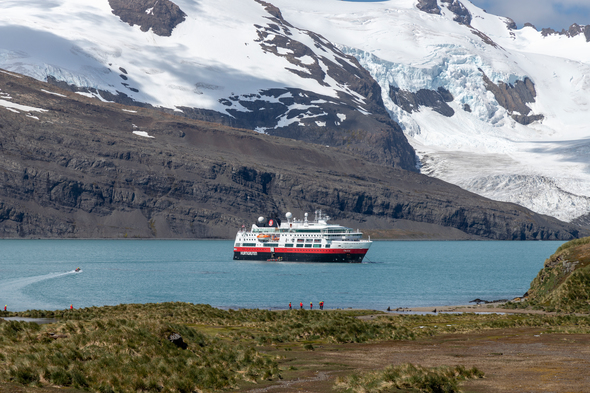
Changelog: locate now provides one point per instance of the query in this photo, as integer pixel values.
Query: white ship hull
(300, 241)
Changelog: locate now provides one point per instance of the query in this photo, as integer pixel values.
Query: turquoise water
(38, 274)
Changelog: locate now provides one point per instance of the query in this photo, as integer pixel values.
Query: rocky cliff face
(411, 102)
(462, 14)
(74, 167)
(514, 98)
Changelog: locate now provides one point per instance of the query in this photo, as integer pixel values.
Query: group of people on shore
(310, 305)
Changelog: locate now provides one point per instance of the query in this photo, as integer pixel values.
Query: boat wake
(11, 291)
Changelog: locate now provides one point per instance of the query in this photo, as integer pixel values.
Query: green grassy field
(125, 348)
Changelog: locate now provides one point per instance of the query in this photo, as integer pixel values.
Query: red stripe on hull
(290, 250)
(300, 255)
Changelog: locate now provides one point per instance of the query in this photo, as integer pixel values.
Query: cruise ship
(300, 241)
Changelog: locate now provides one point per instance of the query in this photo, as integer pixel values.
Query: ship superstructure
(300, 241)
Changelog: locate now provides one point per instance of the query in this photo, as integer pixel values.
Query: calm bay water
(38, 274)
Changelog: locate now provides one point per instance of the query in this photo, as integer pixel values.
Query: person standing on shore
(71, 306)
(322, 305)
(301, 305)
(310, 305)
(289, 305)
(6, 305)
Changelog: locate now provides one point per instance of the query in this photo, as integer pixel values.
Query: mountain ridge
(456, 93)
(74, 167)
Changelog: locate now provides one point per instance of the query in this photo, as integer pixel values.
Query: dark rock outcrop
(485, 38)
(162, 16)
(411, 102)
(573, 31)
(462, 14)
(514, 98)
(510, 24)
(177, 340)
(583, 221)
(429, 6)
(78, 171)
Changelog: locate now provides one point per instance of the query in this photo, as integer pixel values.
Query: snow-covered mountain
(481, 139)
(236, 62)
(498, 111)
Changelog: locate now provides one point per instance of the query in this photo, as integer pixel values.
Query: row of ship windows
(307, 240)
(335, 234)
(340, 231)
(286, 245)
(251, 235)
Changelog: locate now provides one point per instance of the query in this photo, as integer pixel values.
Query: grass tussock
(116, 355)
(408, 376)
(573, 243)
(262, 326)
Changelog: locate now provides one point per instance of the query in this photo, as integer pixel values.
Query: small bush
(61, 378)
(105, 388)
(25, 375)
(78, 379)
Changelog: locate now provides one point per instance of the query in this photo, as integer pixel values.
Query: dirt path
(513, 360)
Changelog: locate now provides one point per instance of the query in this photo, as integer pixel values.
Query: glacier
(543, 165)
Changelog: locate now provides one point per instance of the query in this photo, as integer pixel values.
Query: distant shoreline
(491, 308)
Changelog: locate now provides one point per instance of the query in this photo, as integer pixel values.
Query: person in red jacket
(310, 305)
(322, 305)
(301, 305)
(289, 305)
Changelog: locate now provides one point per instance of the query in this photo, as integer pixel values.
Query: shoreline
(490, 308)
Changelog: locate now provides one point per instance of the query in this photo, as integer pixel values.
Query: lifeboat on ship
(263, 237)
